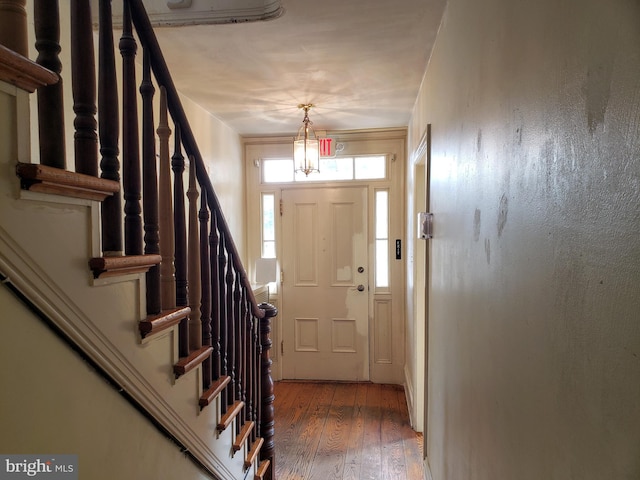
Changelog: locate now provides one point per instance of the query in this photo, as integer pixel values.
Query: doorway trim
(390, 142)
(421, 162)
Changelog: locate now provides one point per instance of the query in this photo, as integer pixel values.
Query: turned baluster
(205, 275)
(83, 80)
(258, 365)
(193, 239)
(222, 305)
(246, 356)
(13, 26)
(108, 125)
(180, 229)
(50, 102)
(130, 141)
(257, 377)
(165, 220)
(253, 370)
(214, 245)
(150, 187)
(231, 331)
(239, 335)
(223, 314)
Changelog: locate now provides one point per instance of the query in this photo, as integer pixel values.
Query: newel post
(267, 421)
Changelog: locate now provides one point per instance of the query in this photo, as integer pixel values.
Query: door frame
(389, 142)
(422, 277)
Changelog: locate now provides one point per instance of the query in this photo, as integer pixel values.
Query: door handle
(361, 288)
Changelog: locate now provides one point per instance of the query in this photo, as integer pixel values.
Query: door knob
(361, 288)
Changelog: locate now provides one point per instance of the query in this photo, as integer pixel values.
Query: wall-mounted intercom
(425, 225)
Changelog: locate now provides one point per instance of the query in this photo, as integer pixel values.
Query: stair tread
(243, 435)
(262, 470)
(254, 452)
(22, 72)
(195, 358)
(214, 390)
(231, 413)
(46, 179)
(165, 319)
(122, 265)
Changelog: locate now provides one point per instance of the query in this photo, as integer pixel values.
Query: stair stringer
(45, 244)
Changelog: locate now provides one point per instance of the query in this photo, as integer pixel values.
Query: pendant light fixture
(306, 150)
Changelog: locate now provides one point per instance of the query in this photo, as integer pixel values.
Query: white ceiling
(360, 62)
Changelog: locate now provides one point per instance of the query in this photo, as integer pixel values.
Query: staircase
(151, 291)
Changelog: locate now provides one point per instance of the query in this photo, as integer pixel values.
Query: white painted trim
(421, 149)
(22, 120)
(181, 12)
(409, 394)
(427, 469)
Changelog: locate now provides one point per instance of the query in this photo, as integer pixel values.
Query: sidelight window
(382, 238)
(268, 225)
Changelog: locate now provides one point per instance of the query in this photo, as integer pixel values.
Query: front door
(325, 284)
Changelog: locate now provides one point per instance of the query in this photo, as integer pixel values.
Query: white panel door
(325, 284)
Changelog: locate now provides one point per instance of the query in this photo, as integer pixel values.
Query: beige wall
(86, 416)
(534, 362)
(222, 151)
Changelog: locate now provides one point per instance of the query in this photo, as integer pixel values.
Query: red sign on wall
(326, 147)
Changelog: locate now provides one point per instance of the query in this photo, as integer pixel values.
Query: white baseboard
(427, 470)
(409, 394)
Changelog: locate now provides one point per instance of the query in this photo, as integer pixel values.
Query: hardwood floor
(340, 431)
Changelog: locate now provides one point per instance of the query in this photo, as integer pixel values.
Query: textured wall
(534, 365)
(221, 150)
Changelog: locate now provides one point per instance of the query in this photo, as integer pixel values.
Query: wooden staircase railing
(194, 275)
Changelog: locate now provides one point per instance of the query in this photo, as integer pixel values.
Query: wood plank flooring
(341, 431)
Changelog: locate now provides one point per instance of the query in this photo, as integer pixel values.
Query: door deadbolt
(360, 269)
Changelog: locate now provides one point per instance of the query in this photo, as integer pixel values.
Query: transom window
(281, 170)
